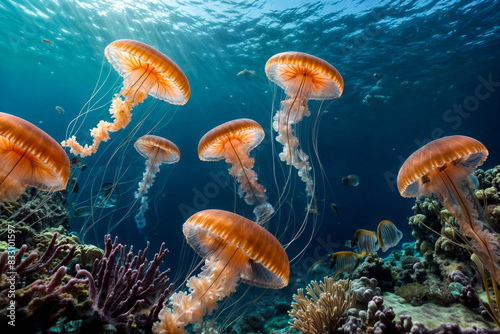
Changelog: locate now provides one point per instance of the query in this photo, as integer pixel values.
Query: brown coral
(324, 308)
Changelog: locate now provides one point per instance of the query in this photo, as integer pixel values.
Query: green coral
(414, 293)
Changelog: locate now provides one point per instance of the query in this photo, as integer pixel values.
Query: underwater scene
(266, 166)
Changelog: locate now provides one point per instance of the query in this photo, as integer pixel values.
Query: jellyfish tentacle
(233, 141)
(121, 114)
(147, 178)
(291, 113)
(146, 71)
(484, 243)
(302, 77)
(241, 169)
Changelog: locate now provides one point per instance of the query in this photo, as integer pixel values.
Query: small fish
(247, 72)
(108, 196)
(60, 110)
(47, 41)
(378, 75)
(334, 208)
(318, 268)
(76, 186)
(82, 211)
(350, 180)
(76, 162)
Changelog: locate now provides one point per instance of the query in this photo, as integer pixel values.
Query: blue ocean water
(413, 71)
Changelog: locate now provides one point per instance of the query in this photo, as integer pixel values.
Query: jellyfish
(388, 235)
(157, 151)
(365, 241)
(443, 167)
(303, 77)
(146, 71)
(233, 142)
(234, 248)
(350, 180)
(29, 157)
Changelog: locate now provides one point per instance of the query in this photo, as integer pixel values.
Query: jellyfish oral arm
(120, 111)
(293, 111)
(241, 169)
(216, 281)
(147, 178)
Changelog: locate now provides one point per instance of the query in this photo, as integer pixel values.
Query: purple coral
(380, 320)
(122, 284)
(39, 305)
(32, 264)
(458, 276)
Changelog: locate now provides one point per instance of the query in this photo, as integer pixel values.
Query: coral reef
(381, 319)
(39, 303)
(325, 307)
(37, 209)
(366, 289)
(375, 267)
(125, 290)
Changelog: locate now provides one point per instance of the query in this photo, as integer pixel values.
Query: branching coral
(122, 286)
(325, 307)
(37, 304)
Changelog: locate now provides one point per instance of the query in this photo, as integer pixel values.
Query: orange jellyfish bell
(157, 149)
(443, 167)
(303, 77)
(456, 156)
(233, 142)
(234, 248)
(29, 157)
(146, 71)
(239, 242)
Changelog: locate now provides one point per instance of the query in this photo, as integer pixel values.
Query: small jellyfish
(350, 180)
(157, 151)
(146, 71)
(29, 157)
(303, 77)
(388, 235)
(233, 142)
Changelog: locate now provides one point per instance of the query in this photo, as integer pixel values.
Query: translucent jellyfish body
(303, 77)
(443, 167)
(234, 248)
(157, 151)
(233, 142)
(145, 71)
(29, 157)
